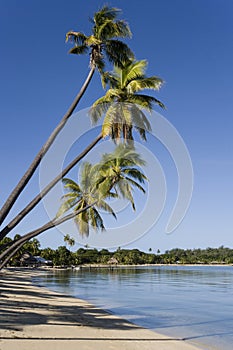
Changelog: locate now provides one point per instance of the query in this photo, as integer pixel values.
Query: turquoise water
(194, 303)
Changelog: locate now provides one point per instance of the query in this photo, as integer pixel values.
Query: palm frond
(81, 220)
(98, 109)
(140, 121)
(132, 70)
(96, 220)
(70, 195)
(110, 29)
(123, 154)
(139, 118)
(141, 83)
(109, 78)
(122, 29)
(126, 191)
(99, 62)
(76, 37)
(118, 52)
(79, 50)
(67, 205)
(136, 184)
(113, 94)
(145, 101)
(106, 207)
(135, 174)
(106, 13)
(123, 113)
(108, 121)
(71, 185)
(85, 177)
(93, 40)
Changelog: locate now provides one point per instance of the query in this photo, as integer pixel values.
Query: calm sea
(195, 303)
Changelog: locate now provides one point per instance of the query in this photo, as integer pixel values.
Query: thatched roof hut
(27, 259)
(112, 261)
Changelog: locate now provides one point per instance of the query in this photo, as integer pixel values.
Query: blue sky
(187, 43)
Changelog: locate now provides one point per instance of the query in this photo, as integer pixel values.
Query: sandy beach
(32, 317)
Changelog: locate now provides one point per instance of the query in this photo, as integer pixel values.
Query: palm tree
(16, 220)
(123, 103)
(69, 240)
(83, 199)
(120, 170)
(123, 107)
(89, 196)
(81, 195)
(106, 27)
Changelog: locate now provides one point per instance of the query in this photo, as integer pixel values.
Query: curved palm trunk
(27, 176)
(39, 197)
(20, 242)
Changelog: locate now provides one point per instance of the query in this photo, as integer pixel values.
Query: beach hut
(27, 259)
(112, 261)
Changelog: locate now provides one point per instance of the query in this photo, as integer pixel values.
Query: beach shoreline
(34, 317)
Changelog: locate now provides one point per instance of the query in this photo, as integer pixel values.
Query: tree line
(63, 256)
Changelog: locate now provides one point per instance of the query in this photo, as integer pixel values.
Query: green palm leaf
(142, 83)
(67, 205)
(136, 174)
(123, 95)
(136, 184)
(119, 170)
(118, 52)
(145, 101)
(77, 37)
(99, 108)
(79, 50)
(105, 13)
(133, 70)
(108, 121)
(109, 78)
(96, 220)
(87, 193)
(103, 205)
(126, 191)
(71, 185)
(106, 28)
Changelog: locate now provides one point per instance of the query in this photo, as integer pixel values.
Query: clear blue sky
(188, 43)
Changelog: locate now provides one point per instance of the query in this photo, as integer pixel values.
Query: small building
(112, 261)
(43, 262)
(28, 260)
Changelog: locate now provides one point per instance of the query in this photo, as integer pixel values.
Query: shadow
(23, 304)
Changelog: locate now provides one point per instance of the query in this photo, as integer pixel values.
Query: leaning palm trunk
(39, 197)
(27, 176)
(12, 250)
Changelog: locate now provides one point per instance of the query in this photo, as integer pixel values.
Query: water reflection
(194, 302)
(174, 276)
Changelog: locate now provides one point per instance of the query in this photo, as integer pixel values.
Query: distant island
(31, 254)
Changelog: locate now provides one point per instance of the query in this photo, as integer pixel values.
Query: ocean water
(190, 302)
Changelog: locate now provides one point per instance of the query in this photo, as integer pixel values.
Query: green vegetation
(64, 257)
(115, 176)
